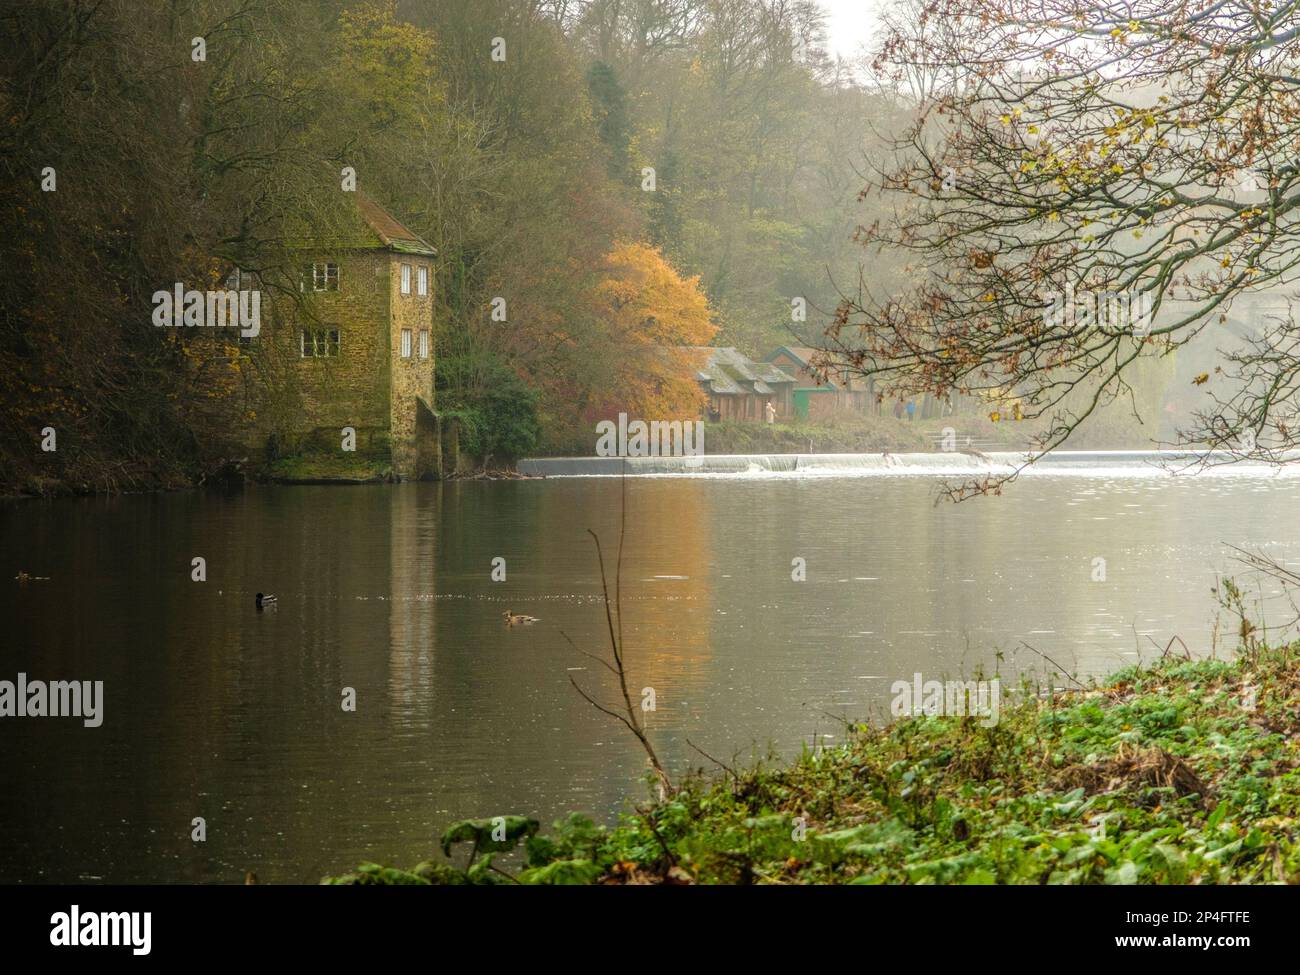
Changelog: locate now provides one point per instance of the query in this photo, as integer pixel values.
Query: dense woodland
(527, 173)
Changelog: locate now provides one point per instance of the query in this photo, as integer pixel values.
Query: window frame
(326, 343)
(404, 285)
(326, 272)
(320, 271)
(422, 280)
(404, 346)
(422, 344)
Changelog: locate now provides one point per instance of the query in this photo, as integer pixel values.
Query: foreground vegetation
(1181, 772)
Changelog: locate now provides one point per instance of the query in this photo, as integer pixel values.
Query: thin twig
(836, 717)
(600, 707)
(629, 718)
(510, 877)
(654, 831)
(603, 663)
(1165, 652)
(1067, 675)
(618, 567)
(722, 765)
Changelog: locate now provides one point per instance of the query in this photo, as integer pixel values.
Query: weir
(917, 464)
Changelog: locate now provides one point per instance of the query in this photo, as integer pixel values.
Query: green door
(801, 403)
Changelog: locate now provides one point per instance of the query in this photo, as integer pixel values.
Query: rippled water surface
(217, 711)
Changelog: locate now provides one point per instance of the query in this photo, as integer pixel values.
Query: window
(424, 343)
(320, 343)
(406, 279)
(421, 281)
(406, 343)
(322, 276)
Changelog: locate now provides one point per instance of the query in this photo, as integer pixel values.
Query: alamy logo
(954, 698)
(55, 699)
(77, 930)
(658, 438)
(209, 309)
(1098, 309)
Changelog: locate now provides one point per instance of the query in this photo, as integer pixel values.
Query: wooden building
(739, 388)
(820, 395)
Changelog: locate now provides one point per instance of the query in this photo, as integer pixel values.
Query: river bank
(1180, 772)
(294, 470)
(42, 477)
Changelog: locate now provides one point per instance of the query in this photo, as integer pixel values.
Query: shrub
(497, 410)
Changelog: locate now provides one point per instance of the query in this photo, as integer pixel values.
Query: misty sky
(849, 24)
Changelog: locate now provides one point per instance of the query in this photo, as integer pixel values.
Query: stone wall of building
(353, 388)
(303, 403)
(412, 377)
(294, 404)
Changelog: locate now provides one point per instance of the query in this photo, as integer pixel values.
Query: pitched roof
(728, 372)
(838, 377)
(770, 372)
(394, 234)
(721, 384)
(354, 221)
(735, 363)
(801, 353)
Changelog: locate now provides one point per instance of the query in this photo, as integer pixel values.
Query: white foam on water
(1093, 464)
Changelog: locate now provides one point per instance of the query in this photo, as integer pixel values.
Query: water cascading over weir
(949, 463)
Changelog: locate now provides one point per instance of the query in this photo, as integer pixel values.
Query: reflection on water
(214, 710)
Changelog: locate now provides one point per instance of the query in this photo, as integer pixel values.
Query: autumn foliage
(652, 316)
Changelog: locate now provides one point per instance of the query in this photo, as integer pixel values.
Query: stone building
(354, 351)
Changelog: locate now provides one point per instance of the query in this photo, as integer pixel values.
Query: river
(214, 710)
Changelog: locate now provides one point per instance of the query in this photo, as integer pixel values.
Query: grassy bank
(1160, 775)
(317, 468)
